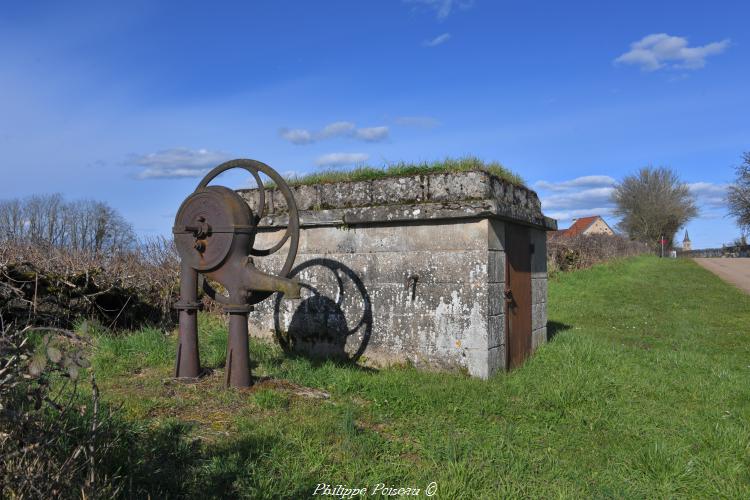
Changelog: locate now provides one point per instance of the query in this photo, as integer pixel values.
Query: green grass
(642, 392)
(401, 169)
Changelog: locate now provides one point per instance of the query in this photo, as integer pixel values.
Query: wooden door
(517, 294)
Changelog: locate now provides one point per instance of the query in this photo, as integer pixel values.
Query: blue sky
(132, 102)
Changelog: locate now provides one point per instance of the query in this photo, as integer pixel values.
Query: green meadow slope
(642, 392)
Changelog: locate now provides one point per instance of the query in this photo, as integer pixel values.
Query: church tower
(686, 242)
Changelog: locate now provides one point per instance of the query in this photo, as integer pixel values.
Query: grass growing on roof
(401, 169)
(641, 393)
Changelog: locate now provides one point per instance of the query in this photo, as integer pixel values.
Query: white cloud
(573, 199)
(332, 130)
(587, 181)
(579, 197)
(178, 163)
(337, 129)
(296, 135)
(372, 134)
(417, 121)
(709, 195)
(442, 8)
(660, 50)
(438, 40)
(341, 159)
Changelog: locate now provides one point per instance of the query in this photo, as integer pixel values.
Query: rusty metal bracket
(411, 282)
(188, 306)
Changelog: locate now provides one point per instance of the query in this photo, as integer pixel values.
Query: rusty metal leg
(238, 351)
(188, 363)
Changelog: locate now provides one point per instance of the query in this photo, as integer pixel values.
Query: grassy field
(642, 392)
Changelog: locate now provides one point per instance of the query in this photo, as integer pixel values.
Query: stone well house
(444, 271)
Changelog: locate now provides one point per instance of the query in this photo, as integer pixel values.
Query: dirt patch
(287, 386)
(735, 271)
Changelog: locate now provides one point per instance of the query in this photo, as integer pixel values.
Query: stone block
(495, 266)
(417, 334)
(398, 190)
(267, 239)
(436, 299)
(345, 195)
(306, 198)
(476, 362)
(442, 188)
(419, 237)
(538, 290)
(455, 186)
(252, 197)
(495, 234)
(496, 360)
(538, 337)
(495, 298)
(278, 202)
(322, 240)
(502, 192)
(440, 266)
(438, 236)
(495, 331)
(538, 316)
(539, 257)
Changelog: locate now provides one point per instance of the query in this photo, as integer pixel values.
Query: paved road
(735, 271)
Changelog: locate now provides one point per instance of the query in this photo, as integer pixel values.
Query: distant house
(586, 226)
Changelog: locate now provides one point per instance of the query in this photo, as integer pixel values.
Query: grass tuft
(402, 169)
(269, 399)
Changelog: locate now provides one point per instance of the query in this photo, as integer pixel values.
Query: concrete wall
(419, 289)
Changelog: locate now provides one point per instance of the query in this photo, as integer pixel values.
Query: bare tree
(83, 225)
(11, 220)
(41, 218)
(652, 204)
(739, 194)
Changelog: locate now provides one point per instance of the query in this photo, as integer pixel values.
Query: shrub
(582, 251)
(50, 444)
(59, 439)
(46, 285)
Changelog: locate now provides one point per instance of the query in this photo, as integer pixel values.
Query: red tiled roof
(579, 226)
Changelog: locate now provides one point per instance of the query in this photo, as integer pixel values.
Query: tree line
(652, 204)
(79, 225)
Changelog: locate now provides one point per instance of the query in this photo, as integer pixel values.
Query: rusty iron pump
(214, 232)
